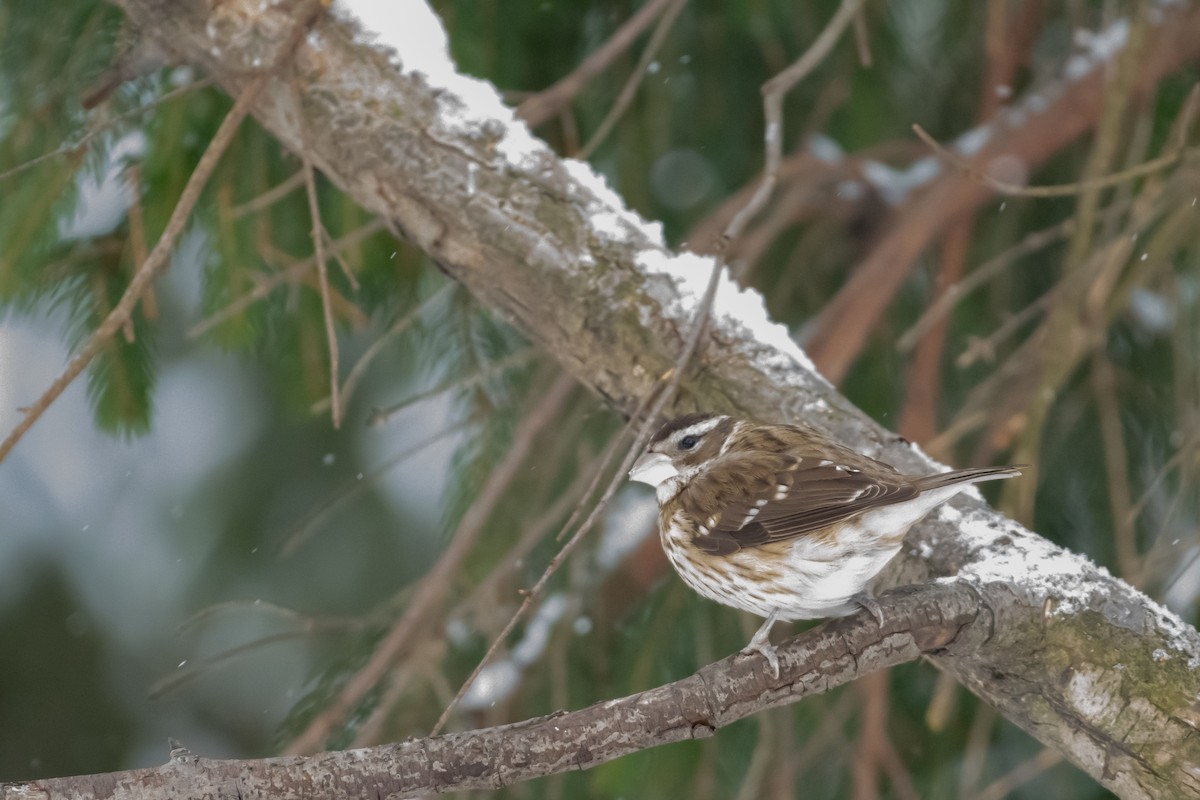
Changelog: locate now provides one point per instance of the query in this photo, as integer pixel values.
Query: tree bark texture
(1076, 657)
(938, 618)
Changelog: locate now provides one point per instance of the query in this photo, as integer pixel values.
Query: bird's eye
(688, 442)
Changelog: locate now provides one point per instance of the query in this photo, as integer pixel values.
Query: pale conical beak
(653, 468)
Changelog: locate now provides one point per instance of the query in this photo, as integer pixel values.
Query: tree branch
(942, 617)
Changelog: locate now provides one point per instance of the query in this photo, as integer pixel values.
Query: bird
(782, 520)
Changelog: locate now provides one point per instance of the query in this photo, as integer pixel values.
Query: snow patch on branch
(417, 42)
(734, 309)
(1010, 554)
(610, 219)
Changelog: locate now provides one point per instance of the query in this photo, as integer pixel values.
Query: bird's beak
(653, 468)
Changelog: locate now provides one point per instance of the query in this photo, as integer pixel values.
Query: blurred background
(189, 549)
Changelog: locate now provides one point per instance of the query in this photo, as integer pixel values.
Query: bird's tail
(968, 476)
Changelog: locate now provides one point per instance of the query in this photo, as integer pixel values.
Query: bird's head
(681, 446)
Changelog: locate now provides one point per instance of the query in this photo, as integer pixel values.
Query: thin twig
(380, 416)
(773, 92)
(1059, 190)
(400, 326)
(630, 88)
(993, 268)
(279, 278)
(862, 38)
(157, 261)
(270, 197)
(547, 103)
(108, 124)
(137, 238)
(1019, 775)
(534, 532)
(340, 258)
(535, 592)
(354, 486)
(1116, 467)
(318, 237)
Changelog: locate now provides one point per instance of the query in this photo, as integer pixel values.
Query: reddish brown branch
(835, 345)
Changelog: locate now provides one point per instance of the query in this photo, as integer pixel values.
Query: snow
(1098, 48)
(1032, 562)
(971, 142)
(1095, 695)
(104, 200)
(894, 185)
(825, 148)
(610, 219)
(498, 680)
(1033, 557)
(733, 307)
(417, 42)
(414, 36)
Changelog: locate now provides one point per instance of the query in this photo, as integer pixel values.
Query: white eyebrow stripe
(700, 428)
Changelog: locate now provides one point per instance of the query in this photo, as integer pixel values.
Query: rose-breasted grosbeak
(780, 520)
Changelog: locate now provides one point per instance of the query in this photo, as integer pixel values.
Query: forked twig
(545, 104)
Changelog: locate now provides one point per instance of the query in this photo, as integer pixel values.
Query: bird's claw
(767, 651)
(864, 600)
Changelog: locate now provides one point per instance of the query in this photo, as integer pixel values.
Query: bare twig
(352, 487)
(635, 79)
(279, 278)
(1060, 190)
(270, 197)
(773, 92)
(991, 269)
(381, 416)
(547, 103)
(359, 370)
(105, 126)
(1019, 775)
(1067, 114)
(534, 593)
(318, 237)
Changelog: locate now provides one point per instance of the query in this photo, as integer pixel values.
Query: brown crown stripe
(678, 424)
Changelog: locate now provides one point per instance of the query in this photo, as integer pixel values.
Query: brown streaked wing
(817, 495)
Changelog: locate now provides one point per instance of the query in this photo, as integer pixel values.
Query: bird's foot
(767, 651)
(864, 600)
(761, 643)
